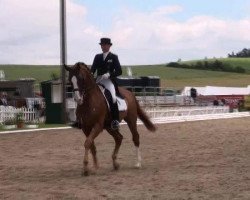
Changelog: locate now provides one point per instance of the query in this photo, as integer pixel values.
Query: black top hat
(105, 41)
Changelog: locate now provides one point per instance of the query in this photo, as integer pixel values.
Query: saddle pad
(122, 106)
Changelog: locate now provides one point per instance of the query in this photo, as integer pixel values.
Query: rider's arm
(117, 67)
(94, 65)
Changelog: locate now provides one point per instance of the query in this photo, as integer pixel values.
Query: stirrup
(115, 125)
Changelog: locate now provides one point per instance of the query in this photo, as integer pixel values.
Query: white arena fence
(157, 114)
(165, 120)
(161, 112)
(164, 115)
(9, 113)
(192, 113)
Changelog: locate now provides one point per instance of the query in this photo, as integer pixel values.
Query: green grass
(179, 78)
(38, 72)
(170, 77)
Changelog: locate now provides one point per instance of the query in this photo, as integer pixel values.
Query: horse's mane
(85, 71)
(82, 65)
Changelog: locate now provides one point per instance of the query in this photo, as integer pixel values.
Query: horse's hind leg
(136, 139)
(118, 140)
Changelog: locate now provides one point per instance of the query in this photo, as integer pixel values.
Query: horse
(94, 115)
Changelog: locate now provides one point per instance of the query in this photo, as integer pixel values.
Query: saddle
(122, 105)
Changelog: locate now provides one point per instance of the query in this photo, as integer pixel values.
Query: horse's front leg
(93, 152)
(89, 145)
(118, 140)
(85, 171)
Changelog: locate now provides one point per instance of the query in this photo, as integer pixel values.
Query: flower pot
(20, 124)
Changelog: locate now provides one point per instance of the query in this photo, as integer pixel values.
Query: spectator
(3, 99)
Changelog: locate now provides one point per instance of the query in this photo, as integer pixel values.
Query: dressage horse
(94, 115)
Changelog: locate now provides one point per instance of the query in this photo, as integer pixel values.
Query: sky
(142, 31)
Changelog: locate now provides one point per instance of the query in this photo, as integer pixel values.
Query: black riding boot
(115, 116)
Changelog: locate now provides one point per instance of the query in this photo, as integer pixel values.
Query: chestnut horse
(93, 113)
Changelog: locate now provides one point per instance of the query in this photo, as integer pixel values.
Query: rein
(84, 90)
(82, 86)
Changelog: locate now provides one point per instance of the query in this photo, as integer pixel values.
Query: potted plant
(20, 120)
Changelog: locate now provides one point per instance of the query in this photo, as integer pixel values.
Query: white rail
(165, 120)
(157, 112)
(182, 114)
(165, 115)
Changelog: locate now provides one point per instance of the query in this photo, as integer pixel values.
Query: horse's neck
(91, 90)
(93, 95)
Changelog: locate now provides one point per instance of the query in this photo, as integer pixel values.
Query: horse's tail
(144, 118)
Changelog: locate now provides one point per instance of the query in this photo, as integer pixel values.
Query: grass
(179, 78)
(170, 77)
(38, 72)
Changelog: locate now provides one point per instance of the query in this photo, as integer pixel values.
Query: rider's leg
(114, 108)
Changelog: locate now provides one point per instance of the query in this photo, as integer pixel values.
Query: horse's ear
(84, 64)
(67, 67)
(78, 65)
(81, 63)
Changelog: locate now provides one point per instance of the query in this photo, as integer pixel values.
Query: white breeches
(109, 86)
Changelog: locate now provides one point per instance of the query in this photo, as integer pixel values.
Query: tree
(244, 53)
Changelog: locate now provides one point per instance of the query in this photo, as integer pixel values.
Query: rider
(108, 67)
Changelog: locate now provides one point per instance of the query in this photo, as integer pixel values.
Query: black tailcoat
(111, 64)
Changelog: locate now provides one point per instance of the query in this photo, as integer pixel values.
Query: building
(22, 88)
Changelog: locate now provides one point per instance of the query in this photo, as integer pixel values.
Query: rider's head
(105, 44)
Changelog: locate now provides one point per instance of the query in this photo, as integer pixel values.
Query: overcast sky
(142, 31)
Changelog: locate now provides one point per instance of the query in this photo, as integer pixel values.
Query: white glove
(106, 76)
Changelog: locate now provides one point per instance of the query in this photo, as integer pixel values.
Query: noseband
(79, 95)
(80, 92)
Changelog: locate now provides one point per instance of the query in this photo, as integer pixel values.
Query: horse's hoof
(116, 166)
(138, 165)
(85, 173)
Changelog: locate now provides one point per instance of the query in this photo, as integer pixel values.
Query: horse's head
(80, 76)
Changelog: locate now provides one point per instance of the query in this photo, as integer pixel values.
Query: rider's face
(105, 47)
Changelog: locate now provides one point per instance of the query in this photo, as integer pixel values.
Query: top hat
(105, 41)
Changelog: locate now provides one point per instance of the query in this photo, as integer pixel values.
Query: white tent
(214, 90)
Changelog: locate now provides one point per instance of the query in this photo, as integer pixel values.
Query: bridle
(79, 92)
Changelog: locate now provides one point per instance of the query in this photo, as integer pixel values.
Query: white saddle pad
(122, 106)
